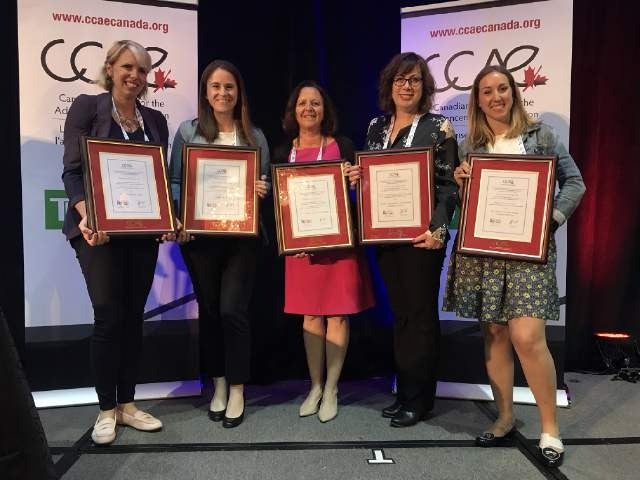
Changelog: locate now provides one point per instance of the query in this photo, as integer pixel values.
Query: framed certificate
(507, 206)
(219, 190)
(312, 207)
(126, 187)
(395, 194)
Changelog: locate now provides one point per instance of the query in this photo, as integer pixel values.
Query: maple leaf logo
(531, 78)
(162, 80)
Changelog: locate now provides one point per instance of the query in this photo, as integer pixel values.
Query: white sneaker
(140, 420)
(104, 431)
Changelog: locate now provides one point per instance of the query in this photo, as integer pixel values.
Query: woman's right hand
(92, 238)
(461, 173)
(182, 236)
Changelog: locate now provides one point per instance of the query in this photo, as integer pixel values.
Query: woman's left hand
(262, 187)
(427, 241)
(354, 172)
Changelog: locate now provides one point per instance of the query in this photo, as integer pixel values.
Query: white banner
(531, 39)
(62, 44)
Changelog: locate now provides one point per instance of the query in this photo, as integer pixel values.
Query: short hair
(329, 124)
(114, 52)
(479, 132)
(207, 124)
(400, 65)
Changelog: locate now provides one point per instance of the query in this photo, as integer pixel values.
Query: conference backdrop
(62, 45)
(532, 39)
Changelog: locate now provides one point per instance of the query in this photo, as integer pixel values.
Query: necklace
(128, 125)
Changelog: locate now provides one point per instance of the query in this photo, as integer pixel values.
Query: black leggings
(118, 275)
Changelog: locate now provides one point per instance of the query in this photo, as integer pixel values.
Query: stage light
(620, 354)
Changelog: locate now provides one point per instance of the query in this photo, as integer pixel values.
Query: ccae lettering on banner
(531, 76)
(161, 78)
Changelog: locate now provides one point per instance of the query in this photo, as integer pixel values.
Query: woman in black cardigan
(324, 287)
(118, 272)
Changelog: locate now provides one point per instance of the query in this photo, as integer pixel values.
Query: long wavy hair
(479, 132)
(207, 124)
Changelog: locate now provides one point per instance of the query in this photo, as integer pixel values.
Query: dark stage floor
(601, 432)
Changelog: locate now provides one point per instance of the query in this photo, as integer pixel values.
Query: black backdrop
(344, 45)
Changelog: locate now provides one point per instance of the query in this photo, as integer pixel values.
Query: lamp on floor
(620, 354)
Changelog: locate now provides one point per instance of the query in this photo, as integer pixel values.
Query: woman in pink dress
(324, 287)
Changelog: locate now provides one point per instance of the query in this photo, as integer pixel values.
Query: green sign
(55, 207)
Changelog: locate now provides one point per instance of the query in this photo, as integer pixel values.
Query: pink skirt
(328, 283)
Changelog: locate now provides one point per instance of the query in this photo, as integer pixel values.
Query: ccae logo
(55, 207)
(531, 79)
(161, 78)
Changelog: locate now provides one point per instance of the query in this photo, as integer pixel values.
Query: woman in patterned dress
(513, 298)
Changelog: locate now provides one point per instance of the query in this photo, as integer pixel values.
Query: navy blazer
(90, 115)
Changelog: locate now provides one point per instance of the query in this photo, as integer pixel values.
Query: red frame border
(96, 207)
(424, 157)
(251, 155)
(537, 249)
(286, 243)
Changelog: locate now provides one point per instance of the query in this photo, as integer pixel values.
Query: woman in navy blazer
(118, 272)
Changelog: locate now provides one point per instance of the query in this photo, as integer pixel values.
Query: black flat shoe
(488, 439)
(550, 457)
(232, 422)
(392, 410)
(551, 450)
(216, 416)
(406, 418)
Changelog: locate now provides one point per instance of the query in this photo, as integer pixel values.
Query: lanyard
(409, 140)
(138, 118)
(292, 155)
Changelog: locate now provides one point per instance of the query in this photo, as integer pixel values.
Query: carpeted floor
(601, 432)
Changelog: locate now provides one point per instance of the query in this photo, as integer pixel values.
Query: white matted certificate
(221, 189)
(218, 190)
(129, 186)
(395, 195)
(505, 210)
(313, 205)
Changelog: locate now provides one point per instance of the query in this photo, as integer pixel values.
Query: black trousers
(118, 275)
(222, 272)
(412, 278)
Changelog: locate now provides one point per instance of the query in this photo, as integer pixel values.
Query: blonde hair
(114, 52)
(479, 132)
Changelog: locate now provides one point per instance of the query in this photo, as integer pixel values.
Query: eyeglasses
(402, 81)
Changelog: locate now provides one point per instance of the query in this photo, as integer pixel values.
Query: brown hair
(479, 132)
(400, 65)
(114, 52)
(329, 123)
(207, 124)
